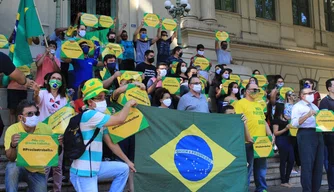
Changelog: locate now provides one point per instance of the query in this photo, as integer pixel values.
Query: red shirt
(78, 104)
(317, 98)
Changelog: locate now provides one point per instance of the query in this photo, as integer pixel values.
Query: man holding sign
(28, 123)
(310, 142)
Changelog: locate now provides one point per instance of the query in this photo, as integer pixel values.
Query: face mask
(85, 50)
(183, 69)
(226, 76)
(163, 72)
(180, 54)
(143, 36)
(224, 47)
(55, 84)
(309, 98)
(235, 90)
(31, 121)
(101, 106)
(280, 85)
(111, 67)
(164, 38)
(200, 52)
(82, 33)
(218, 71)
(151, 60)
(197, 88)
(252, 82)
(167, 102)
(111, 40)
(52, 51)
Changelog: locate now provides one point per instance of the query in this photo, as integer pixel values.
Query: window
(103, 7)
(226, 5)
(76, 7)
(329, 14)
(301, 13)
(265, 9)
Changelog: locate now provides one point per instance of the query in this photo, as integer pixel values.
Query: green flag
(33, 25)
(203, 152)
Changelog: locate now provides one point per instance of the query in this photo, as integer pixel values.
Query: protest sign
(262, 80)
(169, 24)
(151, 20)
(114, 49)
(106, 21)
(172, 84)
(283, 91)
(222, 36)
(60, 119)
(324, 121)
(134, 92)
(224, 86)
(89, 20)
(263, 147)
(72, 50)
(202, 62)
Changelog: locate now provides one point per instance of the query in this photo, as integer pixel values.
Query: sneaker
(285, 185)
(294, 172)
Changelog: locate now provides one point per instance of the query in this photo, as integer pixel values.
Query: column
(208, 11)
(195, 11)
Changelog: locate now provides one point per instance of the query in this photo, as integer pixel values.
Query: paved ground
(284, 189)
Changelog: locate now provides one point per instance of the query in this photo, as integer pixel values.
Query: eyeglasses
(309, 93)
(196, 83)
(99, 98)
(32, 113)
(254, 90)
(164, 35)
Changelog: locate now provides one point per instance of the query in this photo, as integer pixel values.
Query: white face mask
(183, 69)
(101, 106)
(82, 33)
(200, 52)
(309, 98)
(197, 88)
(280, 85)
(167, 102)
(235, 90)
(226, 76)
(218, 71)
(163, 72)
(31, 121)
(52, 51)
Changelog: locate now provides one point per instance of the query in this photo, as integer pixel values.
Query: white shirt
(301, 109)
(48, 104)
(223, 57)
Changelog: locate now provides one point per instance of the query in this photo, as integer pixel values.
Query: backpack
(74, 145)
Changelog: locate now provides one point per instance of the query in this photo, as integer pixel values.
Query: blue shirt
(190, 102)
(141, 48)
(128, 50)
(163, 50)
(83, 70)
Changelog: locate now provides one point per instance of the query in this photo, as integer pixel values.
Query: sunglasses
(32, 113)
(310, 93)
(196, 83)
(254, 90)
(99, 98)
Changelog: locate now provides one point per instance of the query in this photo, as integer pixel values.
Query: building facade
(288, 37)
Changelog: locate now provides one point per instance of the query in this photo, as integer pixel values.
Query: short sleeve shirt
(163, 49)
(128, 50)
(141, 47)
(45, 68)
(83, 70)
(190, 102)
(49, 104)
(223, 57)
(7, 67)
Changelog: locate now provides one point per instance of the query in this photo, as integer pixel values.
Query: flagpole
(46, 42)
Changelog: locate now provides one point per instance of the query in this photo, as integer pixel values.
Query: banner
(262, 80)
(169, 24)
(324, 121)
(172, 84)
(235, 78)
(134, 123)
(202, 62)
(191, 151)
(136, 75)
(3, 42)
(114, 49)
(222, 36)
(89, 20)
(283, 91)
(224, 86)
(60, 119)
(263, 147)
(106, 22)
(72, 50)
(151, 20)
(134, 92)
(37, 150)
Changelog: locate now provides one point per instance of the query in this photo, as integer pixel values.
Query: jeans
(14, 174)
(286, 155)
(57, 173)
(311, 152)
(258, 166)
(329, 170)
(108, 170)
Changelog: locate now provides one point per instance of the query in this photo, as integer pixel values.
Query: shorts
(14, 97)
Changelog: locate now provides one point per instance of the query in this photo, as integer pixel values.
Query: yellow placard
(151, 20)
(3, 42)
(235, 78)
(222, 36)
(171, 84)
(325, 121)
(60, 119)
(293, 131)
(37, 150)
(244, 83)
(169, 24)
(90, 43)
(262, 80)
(263, 147)
(134, 92)
(174, 66)
(89, 20)
(72, 50)
(24, 69)
(106, 21)
(224, 86)
(283, 91)
(70, 31)
(136, 75)
(114, 49)
(202, 62)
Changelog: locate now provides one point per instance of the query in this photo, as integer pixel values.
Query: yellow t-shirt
(253, 111)
(41, 128)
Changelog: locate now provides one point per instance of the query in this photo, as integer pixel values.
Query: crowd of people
(90, 93)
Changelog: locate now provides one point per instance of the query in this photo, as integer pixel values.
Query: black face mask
(111, 40)
(180, 54)
(151, 60)
(111, 67)
(224, 47)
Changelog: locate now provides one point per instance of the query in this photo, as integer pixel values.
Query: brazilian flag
(183, 151)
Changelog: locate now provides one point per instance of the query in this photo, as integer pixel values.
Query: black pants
(311, 151)
(295, 149)
(64, 70)
(287, 157)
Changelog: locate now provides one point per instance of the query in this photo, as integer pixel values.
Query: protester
(220, 96)
(274, 95)
(143, 44)
(78, 104)
(176, 56)
(181, 71)
(253, 80)
(310, 83)
(156, 82)
(165, 98)
(28, 123)
(194, 101)
(257, 126)
(125, 81)
(163, 46)
(327, 103)
(232, 93)
(128, 62)
(85, 173)
(212, 89)
(191, 72)
(223, 56)
(147, 67)
(200, 53)
(310, 142)
(286, 153)
(256, 72)
(110, 79)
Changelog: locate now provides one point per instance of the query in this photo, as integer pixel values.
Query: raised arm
(173, 36)
(135, 38)
(59, 30)
(77, 19)
(155, 39)
(120, 117)
(118, 35)
(217, 45)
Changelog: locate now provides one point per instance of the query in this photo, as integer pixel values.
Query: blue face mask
(111, 67)
(85, 50)
(143, 36)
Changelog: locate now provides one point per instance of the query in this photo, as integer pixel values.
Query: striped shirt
(88, 165)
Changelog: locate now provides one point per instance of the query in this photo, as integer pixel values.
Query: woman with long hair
(232, 93)
(181, 70)
(165, 98)
(281, 128)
